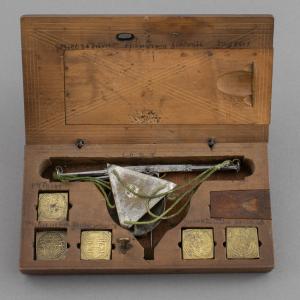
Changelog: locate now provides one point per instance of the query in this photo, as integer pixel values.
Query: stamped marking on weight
(197, 244)
(95, 245)
(51, 245)
(53, 207)
(242, 243)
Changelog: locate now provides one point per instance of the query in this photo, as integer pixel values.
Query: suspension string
(99, 183)
(176, 198)
(179, 187)
(161, 216)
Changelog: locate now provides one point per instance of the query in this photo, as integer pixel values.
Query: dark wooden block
(246, 204)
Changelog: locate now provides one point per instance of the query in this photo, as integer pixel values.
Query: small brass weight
(242, 243)
(95, 245)
(51, 245)
(197, 243)
(53, 207)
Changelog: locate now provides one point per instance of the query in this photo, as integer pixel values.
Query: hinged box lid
(147, 79)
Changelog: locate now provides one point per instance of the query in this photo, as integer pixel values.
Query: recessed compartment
(76, 164)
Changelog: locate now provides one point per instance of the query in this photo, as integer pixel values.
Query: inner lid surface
(165, 86)
(161, 81)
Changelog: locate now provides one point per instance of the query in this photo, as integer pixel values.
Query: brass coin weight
(50, 245)
(242, 243)
(197, 243)
(53, 207)
(95, 245)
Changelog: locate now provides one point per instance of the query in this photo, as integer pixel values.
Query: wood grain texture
(156, 98)
(166, 86)
(173, 101)
(89, 211)
(246, 204)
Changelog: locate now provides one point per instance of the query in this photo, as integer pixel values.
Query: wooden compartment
(139, 90)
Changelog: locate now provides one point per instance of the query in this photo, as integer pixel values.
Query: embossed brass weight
(95, 245)
(197, 243)
(242, 243)
(53, 207)
(50, 245)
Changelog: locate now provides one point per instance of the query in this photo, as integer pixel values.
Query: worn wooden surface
(156, 98)
(167, 86)
(89, 210)
(176, 81)
(246, 204)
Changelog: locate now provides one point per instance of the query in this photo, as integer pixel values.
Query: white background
(282, 283)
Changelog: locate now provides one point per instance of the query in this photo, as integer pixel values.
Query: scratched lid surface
(146, 79)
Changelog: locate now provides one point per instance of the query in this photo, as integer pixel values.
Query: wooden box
(139, 90)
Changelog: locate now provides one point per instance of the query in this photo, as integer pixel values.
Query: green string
(99, 183)
(209, 171)
(200, 179)
(142, 195)
(170, 195)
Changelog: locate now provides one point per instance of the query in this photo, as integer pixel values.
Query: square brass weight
(95, 245)
(197, 243)
(53, 207)
(50, 245)
(242, 243)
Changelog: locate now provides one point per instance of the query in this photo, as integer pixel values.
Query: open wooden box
(148, 89)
